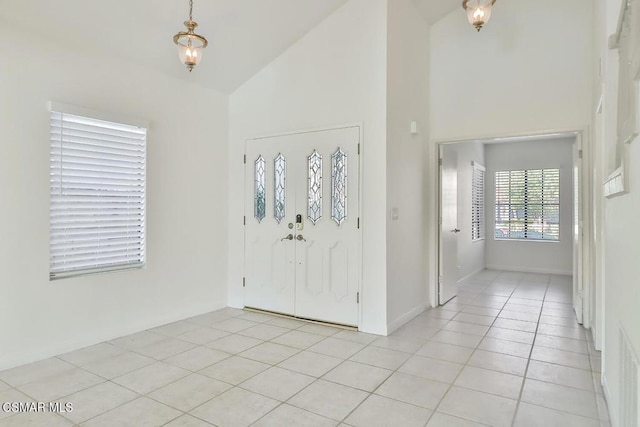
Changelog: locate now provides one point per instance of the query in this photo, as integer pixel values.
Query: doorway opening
(511, 204)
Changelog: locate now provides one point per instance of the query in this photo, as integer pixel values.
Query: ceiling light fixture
(190, 44)
(478, 11)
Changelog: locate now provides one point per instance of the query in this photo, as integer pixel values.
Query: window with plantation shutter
(477, 202)
(97, 204)
(528, 204)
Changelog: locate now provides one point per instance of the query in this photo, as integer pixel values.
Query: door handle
(300, 238)
(455, 230)
(288, 237)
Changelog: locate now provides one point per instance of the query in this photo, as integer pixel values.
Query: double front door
(302, 226)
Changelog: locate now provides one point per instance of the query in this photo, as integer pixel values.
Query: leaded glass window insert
(280, 188)
(339, 186)
(314, 205)
(260, 197)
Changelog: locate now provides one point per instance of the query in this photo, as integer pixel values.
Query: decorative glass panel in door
(314, 207)
(339, 186)
(279, 187)
(260, 197)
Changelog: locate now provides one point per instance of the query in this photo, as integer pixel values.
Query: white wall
(407, 100)
(529, 69)
(471, 253)
(334, 75)
(532, 256)
(621, 236)
(186, 228)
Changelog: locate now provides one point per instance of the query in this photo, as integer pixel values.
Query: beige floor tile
(411, 389)
(521, 308)
(498, 362)
(505, 347)
(35, 419)
(358, 375)
(118, 365)
(561, 357)
(93, 353)
(511, 335)
(537, 416)
(381, 357)
(278, 383)
(285, 322)
(298, 339)
(558, 374)
(431, 369)
(135, 341)
(480, 407)
(208, 319)
(197, 358)
(466, 328)
(313, 328)
(517, 325)
(482, 311)
(287, 415)
(232, 408)
(60, 385)
(233, 325)
(188, 421)
(36, 371)
(399, 343)
(264, 332)
(355, 336)
(443, 420)
(166, 348)
(202, 335)
(488, 381)
(256, 317)
(474, 318)
(309, 363)
(189, 392)
(457, 338)
(382, 411)
(336, 348)
(151, 377)
(234, 370)
(97, 400)
(174, 329)
(328, 399)
(12, 395)
(269, 353)
(140, 412)
(234, 344)
(448, 352)
(562, 331)
(518, 315)
(567, 399)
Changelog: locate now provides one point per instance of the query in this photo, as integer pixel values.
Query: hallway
(507, 351)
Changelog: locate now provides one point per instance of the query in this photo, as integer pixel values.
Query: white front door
(302, 225)
(448, 281)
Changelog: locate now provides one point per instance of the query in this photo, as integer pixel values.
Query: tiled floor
(506, 352)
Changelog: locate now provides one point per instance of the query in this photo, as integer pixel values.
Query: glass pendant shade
(189, 43)
(478, 11)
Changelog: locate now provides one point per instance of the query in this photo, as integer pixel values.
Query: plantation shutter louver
(528, 204)
(97, 205)
(477, 203)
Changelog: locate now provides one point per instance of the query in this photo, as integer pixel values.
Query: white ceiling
(244, 35)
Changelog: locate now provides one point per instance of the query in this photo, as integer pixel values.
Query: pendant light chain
(190, 10)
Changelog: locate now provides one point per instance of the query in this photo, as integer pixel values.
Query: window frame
(478, 202)
(527, 205)
(135, 236)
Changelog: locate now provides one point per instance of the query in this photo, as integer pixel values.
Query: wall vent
(628, 383)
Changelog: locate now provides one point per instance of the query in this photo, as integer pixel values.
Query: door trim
(581, 136)
(359, 126)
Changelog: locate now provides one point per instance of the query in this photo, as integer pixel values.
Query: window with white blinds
(97, 205)
(528, 204)
(477, 202)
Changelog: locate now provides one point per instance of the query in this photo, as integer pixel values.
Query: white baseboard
(397, 323)
(13, 360)
(530, 270)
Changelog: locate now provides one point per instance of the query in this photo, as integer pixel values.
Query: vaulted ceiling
(244, 35)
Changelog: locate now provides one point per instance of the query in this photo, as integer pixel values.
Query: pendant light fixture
(478, 11)
(189, 43)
